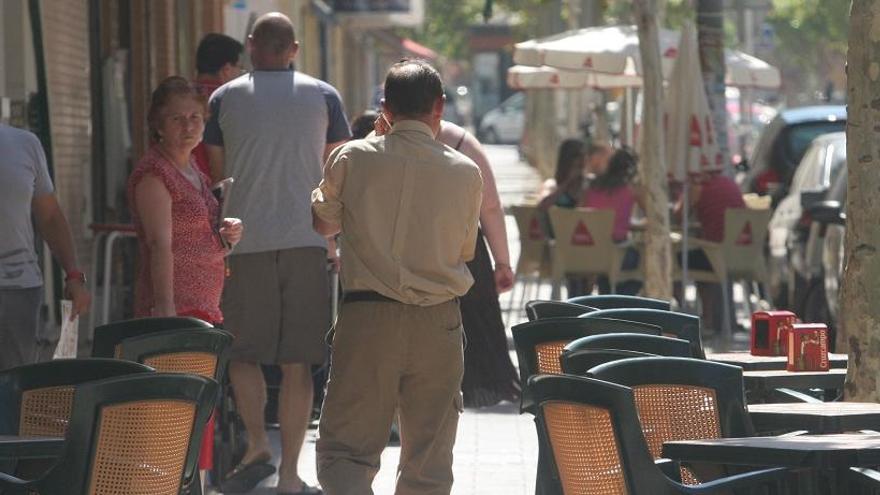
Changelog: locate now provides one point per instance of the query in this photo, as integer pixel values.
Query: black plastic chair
(597, 446)
(37, 398)
(114, 428)
(583, 360)
(617, 301)
(539, 310)
(651, 344)
(107, 336)
(682, 398)
(674, 324)
(201, 351)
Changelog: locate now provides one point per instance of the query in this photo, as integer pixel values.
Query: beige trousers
(386, 357)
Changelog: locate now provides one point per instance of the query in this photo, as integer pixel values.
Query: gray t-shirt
(274, 126)
(23, 176)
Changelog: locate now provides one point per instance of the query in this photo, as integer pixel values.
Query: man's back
(410, 206)
(273, 126)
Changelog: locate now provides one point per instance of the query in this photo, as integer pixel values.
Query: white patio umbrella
(528, 77)
(691, 146)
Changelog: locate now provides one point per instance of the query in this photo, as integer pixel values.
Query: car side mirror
(827, 212)
(810, 198)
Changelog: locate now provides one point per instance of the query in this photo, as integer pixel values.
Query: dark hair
(620, 172)
(364, 124)
(162, 95)
(216, 50)
(412, 87)
(273, 34)
(571, 155)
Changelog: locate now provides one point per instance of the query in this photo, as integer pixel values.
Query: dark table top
(813, 451)
(16, 447)
(759, 381)
(765, 363)
(819, 417)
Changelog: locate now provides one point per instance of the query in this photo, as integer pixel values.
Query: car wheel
(490, 136)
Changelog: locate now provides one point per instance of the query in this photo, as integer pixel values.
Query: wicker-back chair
(200, 351)
(682, 399)
(673, 324)
(581, 361)
(540, 310)
(37, 398)
(108, 336)
(596, 445)
(132, 434)
(619, 301)
(650, 344)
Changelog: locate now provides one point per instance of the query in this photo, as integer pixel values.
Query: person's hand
(231, 230)
(504, 277)
(381, 126)
(76, 291)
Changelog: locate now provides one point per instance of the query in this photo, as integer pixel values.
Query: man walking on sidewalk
(270, 130)
(407, 206)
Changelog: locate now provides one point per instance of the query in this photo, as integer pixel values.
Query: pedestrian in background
(27, 199)
(407, 207)
(218, 61)
(270, 130)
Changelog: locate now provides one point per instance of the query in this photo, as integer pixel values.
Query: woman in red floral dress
(182, 239)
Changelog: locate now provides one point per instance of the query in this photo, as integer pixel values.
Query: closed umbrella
(691, 147)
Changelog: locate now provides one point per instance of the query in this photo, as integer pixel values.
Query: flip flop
(246, 477)
(305, 490)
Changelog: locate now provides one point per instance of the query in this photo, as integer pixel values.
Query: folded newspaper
(67, 342)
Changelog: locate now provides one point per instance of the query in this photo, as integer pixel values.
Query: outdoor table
(16, 447)
(759, 383)
(748, 362)
(831, 454)
(816, 417)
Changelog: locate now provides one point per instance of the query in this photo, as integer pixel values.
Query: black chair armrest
(670, 468)
(746, 480)
(862, 480)
(10, 485)
(788, 395)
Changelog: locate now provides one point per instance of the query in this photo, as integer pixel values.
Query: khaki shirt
(408, 206)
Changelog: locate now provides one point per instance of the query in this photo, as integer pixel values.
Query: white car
(504, 123)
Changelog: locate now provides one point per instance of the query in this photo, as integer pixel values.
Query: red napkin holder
(808, 347)
(770, 332)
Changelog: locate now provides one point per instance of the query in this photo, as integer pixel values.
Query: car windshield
(799, 137)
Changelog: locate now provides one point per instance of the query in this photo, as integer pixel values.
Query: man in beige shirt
(407, 207)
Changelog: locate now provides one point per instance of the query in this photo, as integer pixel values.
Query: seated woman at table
(183, 240)
(615, 190)
(710, 195)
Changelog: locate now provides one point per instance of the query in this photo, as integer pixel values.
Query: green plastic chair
(114, 428)
(539, 310)
(620, 301)
(680, 325)
(201, 351)
(108, 336)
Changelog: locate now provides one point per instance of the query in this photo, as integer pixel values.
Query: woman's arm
(491, 215)
(154, 206)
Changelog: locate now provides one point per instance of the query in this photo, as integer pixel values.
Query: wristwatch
(76, 275)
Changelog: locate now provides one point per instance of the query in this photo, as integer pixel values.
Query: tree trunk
(860, 311)
(710, 35)
(652, 169)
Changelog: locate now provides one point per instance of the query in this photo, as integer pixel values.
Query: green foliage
(446, 26)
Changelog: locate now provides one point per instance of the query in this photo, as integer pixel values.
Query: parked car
(782, 146)
(504, 123)
(791, 270)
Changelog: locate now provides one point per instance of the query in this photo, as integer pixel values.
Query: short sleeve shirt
(274, 126)
(24, 175)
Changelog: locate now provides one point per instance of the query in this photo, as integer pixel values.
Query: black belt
(366, 296)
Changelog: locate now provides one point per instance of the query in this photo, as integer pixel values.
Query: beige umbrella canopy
(614, 50)
(527, 77)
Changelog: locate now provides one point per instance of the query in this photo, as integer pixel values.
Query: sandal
(305, 490)
(246, 477)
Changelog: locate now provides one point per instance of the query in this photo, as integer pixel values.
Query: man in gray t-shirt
(270, 130)
(27, 195)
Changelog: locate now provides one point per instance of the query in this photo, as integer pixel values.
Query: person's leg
(249, 387)
(305, 319)
(19, 320)
(361, 396)
(294, 412)
(430, 399)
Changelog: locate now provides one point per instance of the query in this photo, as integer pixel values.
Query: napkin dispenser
(770, 332)
(808, 347)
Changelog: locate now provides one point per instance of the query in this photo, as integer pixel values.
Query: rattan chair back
(108, 336)
(539, 310)
(673, 324)
(135, 434)
(200, 351)
(618, 301)
(551, 335)
(38, 397)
